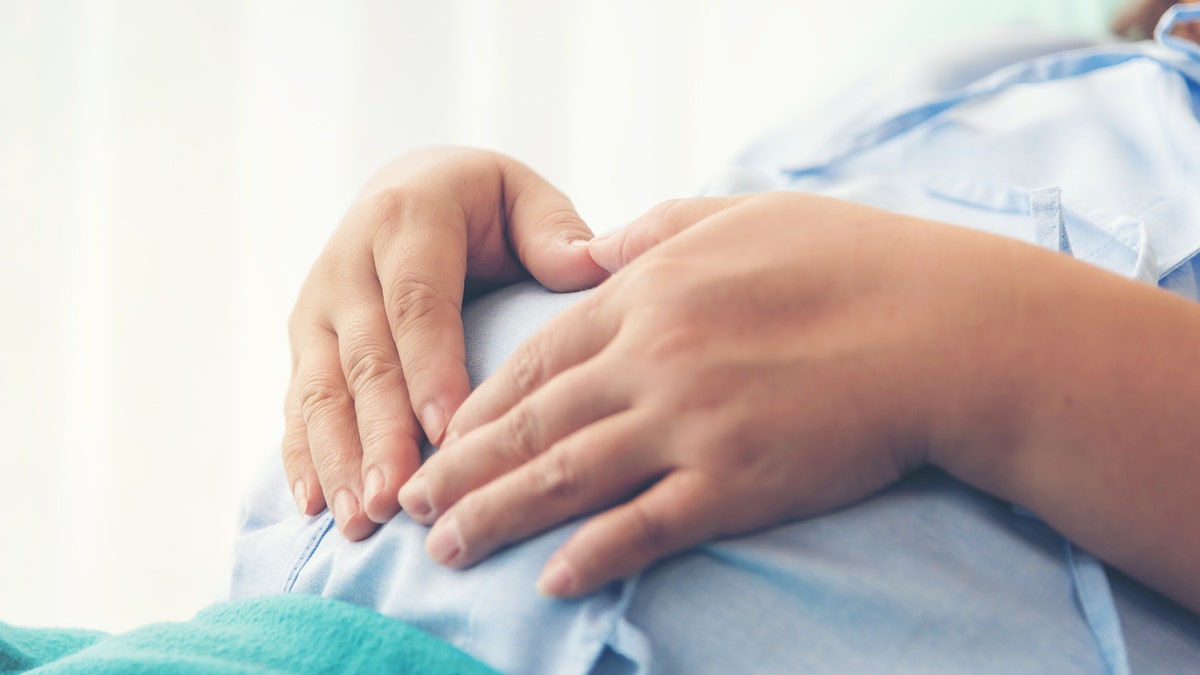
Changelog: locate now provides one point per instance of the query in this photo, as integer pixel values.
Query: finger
(676, 513)
(546, 233)
(328, 413)
(421, 266)
(568, 339)
(586, 471)
(297, 459)
(566, 404)
(388, 432)
(618, 249)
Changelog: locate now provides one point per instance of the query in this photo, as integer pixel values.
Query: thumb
(546, 233)
(618, 249)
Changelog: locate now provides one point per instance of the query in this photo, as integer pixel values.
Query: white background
(168, 171)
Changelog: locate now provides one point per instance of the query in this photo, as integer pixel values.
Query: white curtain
(168, 171)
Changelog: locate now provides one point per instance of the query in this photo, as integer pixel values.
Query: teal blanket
(294, 633)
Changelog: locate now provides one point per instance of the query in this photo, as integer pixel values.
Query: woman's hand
(780, 355)
(376, 334)
(785, 355)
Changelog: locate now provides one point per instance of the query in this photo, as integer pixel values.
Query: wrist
(1000, 369)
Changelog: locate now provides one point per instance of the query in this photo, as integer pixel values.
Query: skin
(740, 374)
(377, 351)
(376, 335)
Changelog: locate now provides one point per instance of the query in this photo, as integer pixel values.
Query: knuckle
(413, 299)
(667, 211)
(555, 477)
(386, 206)
(591, 310)
(375, 435)
(649, 534)
(527, 369)
(672, 342)
(368, 364)
(321, 398)
(557, 218)
(525, 434)
(547, 224)
(330, 466)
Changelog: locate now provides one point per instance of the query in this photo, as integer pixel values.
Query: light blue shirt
(1092, 151)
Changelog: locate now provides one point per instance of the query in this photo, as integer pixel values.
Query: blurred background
(169, 171)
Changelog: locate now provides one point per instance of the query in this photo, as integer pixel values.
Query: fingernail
(603, 237)
(344, 508)
(578, 243)
(414, 499)
(604, 253)
(557, 579)
(444, 542)
(300, 492)
(372, 484)
(433, 418)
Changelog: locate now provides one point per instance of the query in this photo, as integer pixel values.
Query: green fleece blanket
(294, 633)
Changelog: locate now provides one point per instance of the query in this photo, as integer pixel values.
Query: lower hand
(775, 357)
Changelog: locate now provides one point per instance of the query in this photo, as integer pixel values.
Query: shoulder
(900, 84)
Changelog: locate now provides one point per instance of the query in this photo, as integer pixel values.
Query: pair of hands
(768, 357)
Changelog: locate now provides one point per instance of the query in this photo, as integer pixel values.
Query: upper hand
(780, 357)
(376, 334)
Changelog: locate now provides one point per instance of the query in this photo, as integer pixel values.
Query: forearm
(1102, 377)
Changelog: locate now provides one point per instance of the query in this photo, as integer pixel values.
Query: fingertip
(437, 388)
(372, 483)
(433, 421)
(307, 503)
(300, 494)
(378, 503)
(414, 499)
(298, 469)
(564, 263)
(605, 251)
(380, 511)
(350, 518)
(557, 579)
(444, 545)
